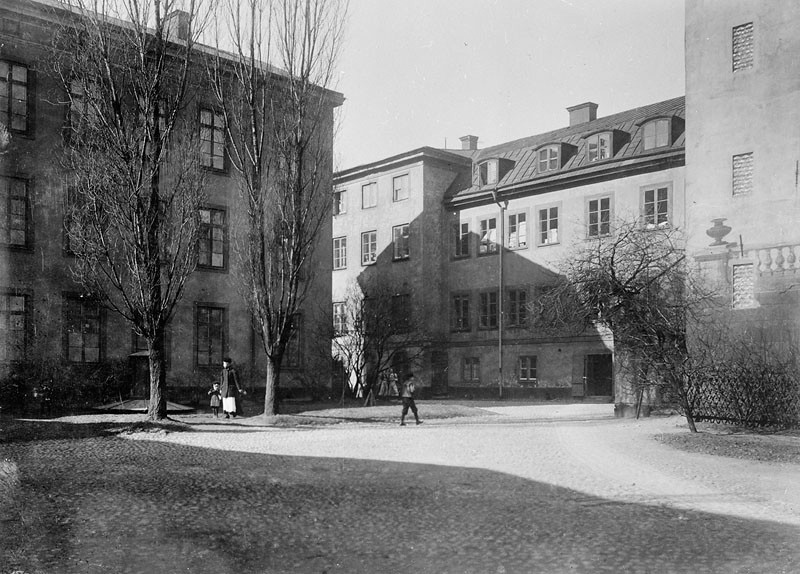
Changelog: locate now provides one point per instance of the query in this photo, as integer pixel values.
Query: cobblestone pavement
(506, 494)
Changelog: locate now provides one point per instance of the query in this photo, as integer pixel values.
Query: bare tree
(344, 340)
(635, 283)
(5, 138)
(273, 90)
(377, 330)
(133, 160)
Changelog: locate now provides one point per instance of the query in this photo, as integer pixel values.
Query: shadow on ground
(107, 504)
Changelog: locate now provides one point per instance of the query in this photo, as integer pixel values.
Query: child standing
(215, 399)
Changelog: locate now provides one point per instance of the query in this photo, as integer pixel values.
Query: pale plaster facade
(743, 157)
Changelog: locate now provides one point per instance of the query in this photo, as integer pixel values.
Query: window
(14, 314)
(517, 307)
(294, 347)
(598, 217)
(460, 316)
(369, 247)
(339, 202)
(212, 138)
(340, 252)
(471, 370)
(14, 214)
(548, 158)
(369, 195)
(526, 369)
(742, 174)
(462, 239)
(400, 239)
(517, 231)
(548, 225)
(656, 134)
(138, 343)
(162, 124)
(209, 335)
(14, 96)
(82, 329)
(400, 188)
(655, 207)
(400, 312)
(489, 171)
(598, 147)
(212, 243)
(743, 287)
(488, 236)
(80, 107)
(743, 47)
(488, 310)
(339, 318)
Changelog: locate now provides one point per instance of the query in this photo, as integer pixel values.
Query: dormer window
(656, 134)
(491, 171)
(598, 146)
(549, 157)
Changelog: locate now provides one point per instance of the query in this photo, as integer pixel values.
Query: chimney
(176, 25)
(582, 113)
(469, 142)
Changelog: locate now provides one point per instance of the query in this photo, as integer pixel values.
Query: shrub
(52, 386)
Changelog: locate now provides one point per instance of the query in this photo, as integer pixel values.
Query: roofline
(573, 178)
(42, 7)
(524, 142)
(399, 160)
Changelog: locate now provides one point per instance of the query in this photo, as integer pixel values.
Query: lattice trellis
(770, 400)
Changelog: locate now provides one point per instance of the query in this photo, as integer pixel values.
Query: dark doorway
(140, 368)
(599, 375)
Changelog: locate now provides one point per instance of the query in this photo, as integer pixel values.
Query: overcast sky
(421, 72)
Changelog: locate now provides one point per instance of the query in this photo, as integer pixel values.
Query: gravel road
(546, 489)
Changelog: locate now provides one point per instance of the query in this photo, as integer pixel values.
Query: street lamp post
(502, 206)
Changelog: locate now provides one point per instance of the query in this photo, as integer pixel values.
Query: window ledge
(20, 248)
(212, 269)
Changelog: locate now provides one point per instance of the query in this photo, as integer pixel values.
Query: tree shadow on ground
(114, 505)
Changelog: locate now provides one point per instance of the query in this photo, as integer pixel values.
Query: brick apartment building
(43, 312)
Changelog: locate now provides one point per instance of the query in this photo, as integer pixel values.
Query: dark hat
(409, 375)
(227, 360)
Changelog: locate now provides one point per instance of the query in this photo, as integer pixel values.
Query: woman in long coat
(229, 388)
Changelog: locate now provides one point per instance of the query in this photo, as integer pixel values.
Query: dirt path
(613, 459)
(517, 492)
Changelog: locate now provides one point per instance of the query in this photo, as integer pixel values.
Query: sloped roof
(628, 124)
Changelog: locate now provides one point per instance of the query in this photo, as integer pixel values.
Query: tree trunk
(157, 407)
(271, 403)
(683, 397)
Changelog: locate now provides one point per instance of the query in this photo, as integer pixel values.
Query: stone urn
(718, 231)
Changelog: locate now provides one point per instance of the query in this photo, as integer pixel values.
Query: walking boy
(407, 394)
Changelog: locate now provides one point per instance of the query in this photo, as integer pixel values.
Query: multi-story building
(488, 246)
(40, 304)
(742, 158)
(387, 226)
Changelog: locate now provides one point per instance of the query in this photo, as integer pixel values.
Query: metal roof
(523, 152)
